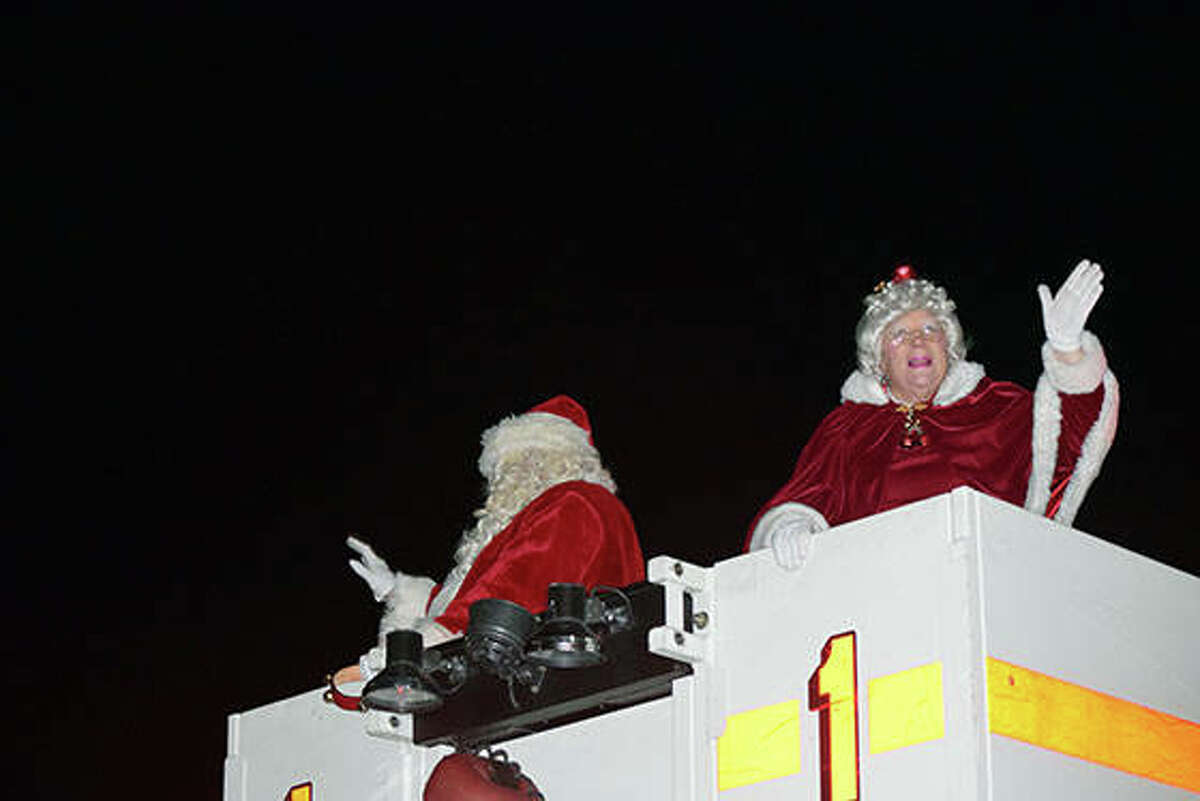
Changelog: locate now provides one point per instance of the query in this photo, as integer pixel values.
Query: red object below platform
(467, 777)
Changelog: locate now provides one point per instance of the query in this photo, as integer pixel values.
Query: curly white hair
(894, 300)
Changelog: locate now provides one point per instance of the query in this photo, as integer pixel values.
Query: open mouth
(920, 361)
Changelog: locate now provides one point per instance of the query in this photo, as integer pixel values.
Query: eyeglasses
(930, 332)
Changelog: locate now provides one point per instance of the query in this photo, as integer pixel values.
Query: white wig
(898, 298)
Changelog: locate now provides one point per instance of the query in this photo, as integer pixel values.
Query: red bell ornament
(467, 777)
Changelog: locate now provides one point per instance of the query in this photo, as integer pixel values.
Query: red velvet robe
(576, 531)
(853, 465)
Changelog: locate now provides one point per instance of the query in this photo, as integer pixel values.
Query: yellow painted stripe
(1070, 719)
(758, 745)
(301, 792)
(906, 708)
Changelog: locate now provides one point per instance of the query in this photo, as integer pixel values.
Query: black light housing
(496, 634)
(402, 686)
(565, 640)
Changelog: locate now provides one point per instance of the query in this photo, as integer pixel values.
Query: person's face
(914, 356)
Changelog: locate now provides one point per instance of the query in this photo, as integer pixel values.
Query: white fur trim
(530, 430)
(1081, 377)
(450, 588)
(433, 633)
(1047, 427)
(1091, 454)
(862, 388)
(784, 516)
(405, 603)
(961, 378)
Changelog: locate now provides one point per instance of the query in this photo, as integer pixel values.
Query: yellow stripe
(1054, 714)
(301, 792)
(906, 708)
(758, 745)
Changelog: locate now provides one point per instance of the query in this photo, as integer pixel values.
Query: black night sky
(287, 266)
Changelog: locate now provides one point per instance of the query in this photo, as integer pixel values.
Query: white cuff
(405, 603)
(1081, 377)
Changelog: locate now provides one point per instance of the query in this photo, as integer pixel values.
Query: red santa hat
(558, 424)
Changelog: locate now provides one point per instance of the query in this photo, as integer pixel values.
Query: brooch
(914, 435)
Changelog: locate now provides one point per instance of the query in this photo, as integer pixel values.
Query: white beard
(517, 482)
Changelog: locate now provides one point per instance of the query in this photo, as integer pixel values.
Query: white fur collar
(961, 378)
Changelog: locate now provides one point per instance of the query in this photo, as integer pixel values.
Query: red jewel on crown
(904, 272)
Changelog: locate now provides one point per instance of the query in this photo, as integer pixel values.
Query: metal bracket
(689, 613)
(389, 725)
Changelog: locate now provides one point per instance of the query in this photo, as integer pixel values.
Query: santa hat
(558, 424)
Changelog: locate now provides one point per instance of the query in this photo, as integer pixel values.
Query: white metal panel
(304, 739)
(1084, 610)
(624, 754)
(901, 582)
(1066, 604)
(951, 580)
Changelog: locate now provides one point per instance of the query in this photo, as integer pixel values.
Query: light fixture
(495, 643)
(496, 634)
(402, 686)
(565, 640)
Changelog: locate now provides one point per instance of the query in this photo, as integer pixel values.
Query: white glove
(792, 543)
(1065, 313)
(372, 569)
(403, 596)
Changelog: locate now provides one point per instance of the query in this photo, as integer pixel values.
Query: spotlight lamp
(574, 626)
(403, 685)
(497, 631)
(502, 639)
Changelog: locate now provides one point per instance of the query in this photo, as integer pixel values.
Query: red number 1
(833, 691)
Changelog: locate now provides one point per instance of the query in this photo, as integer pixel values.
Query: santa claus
(551, 515)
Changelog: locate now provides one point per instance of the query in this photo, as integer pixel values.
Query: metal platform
(957, 648)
